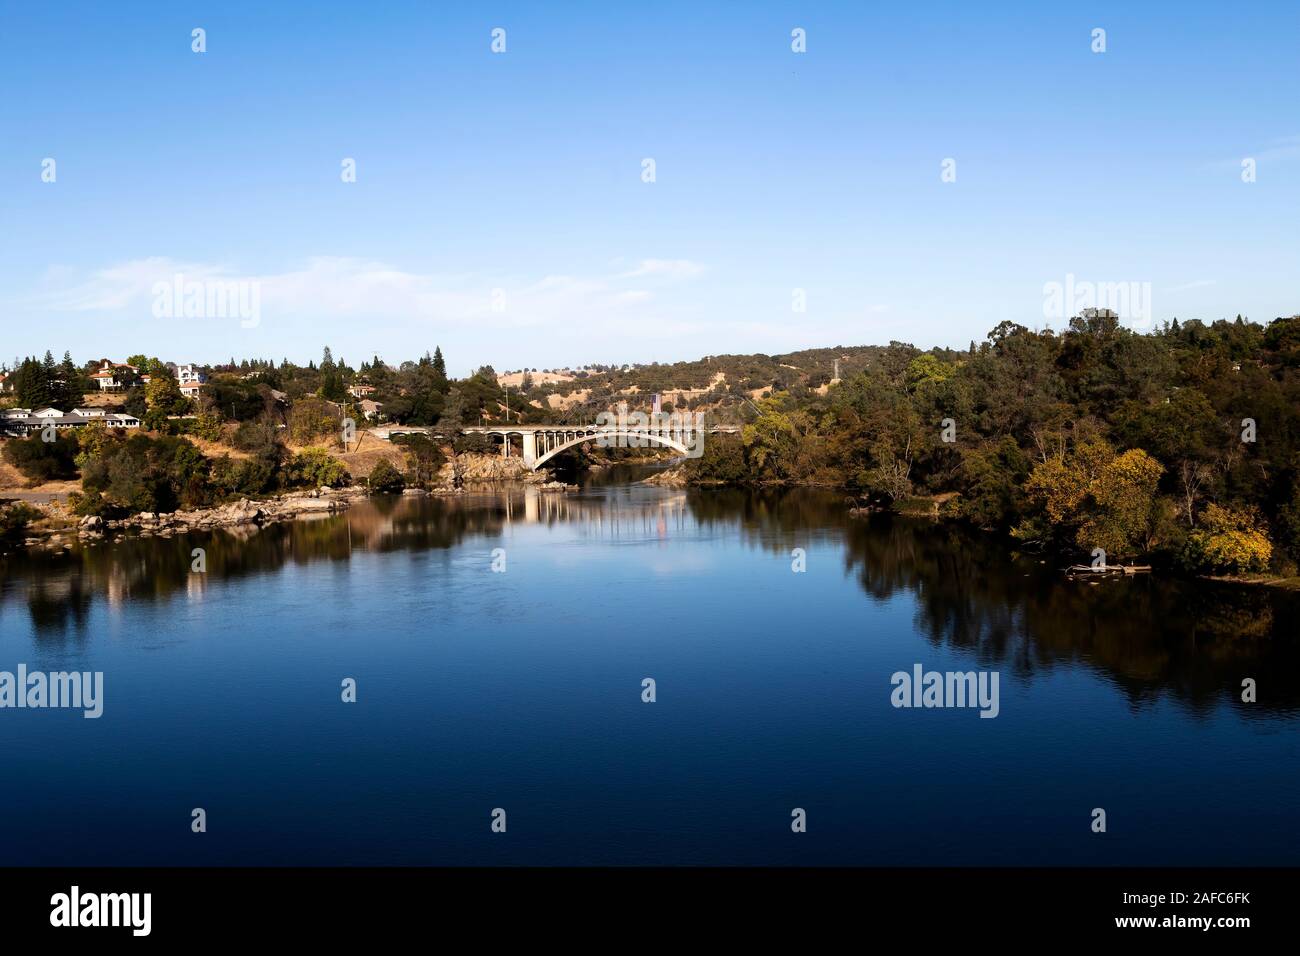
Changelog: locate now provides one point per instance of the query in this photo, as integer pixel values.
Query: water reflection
(1150, 635)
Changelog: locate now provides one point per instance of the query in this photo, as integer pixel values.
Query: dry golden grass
(11, 479)
(515, 379)
(568, 401)
(215, 449)
(361, 463)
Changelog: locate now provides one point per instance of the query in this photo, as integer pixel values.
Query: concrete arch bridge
(538, 444)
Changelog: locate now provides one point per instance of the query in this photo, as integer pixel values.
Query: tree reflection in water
(1151, 635)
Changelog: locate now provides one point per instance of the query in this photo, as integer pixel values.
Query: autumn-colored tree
(1123, 517)
(1229, 539)
(1095, 498)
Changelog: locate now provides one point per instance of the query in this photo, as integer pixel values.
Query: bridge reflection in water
(1159, 636)
(598, 515)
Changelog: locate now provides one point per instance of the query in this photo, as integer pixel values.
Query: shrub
(241, 479)
(385, 479)
(40, 460)
(14, 521)
(141, 473)
(315, 467)
(93, 503)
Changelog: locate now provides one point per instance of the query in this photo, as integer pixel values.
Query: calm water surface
(522, 690)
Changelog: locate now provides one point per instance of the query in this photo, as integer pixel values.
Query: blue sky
(521, 173)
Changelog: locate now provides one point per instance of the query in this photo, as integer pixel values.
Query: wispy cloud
(1188, 286)
(667, 268)
(358, 289)
(1281, 150)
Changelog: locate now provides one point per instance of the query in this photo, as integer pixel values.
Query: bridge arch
(586, 434)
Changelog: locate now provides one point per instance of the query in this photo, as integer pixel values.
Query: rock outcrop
(488, 469)
(674, 477)
(322, 501)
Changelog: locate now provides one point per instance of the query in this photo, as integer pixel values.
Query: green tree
(163, 394)
(770, 440)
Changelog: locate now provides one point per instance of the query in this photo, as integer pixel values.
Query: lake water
(522, 690)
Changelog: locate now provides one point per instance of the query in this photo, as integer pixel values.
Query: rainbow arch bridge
(538, 444)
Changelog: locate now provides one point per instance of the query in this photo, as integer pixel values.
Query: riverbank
(59, 528)
(939, 507)
(1282, 583)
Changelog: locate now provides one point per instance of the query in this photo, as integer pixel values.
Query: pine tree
(69, 390)
(32, 385)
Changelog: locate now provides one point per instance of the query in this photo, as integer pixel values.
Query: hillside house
(115, 376)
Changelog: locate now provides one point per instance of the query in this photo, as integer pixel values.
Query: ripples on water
(522, 690)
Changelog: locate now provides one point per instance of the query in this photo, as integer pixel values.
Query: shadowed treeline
(1150, 634)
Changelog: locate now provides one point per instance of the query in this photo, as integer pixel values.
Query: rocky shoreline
(469, 474)
(322, 501)
(261, 511)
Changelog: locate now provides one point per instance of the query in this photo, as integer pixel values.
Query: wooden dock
(1079, 570)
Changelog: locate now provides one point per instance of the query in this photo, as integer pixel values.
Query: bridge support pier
(530, 448)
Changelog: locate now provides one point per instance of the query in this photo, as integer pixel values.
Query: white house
(190, 380)
(114, 376)
(78, 418)
(186, 374)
